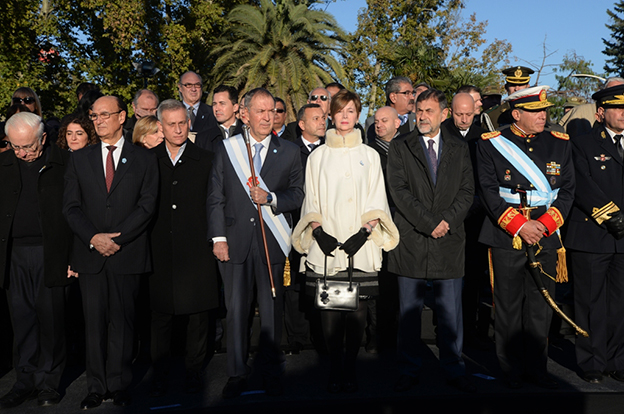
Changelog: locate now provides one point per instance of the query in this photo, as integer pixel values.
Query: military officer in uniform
(527, 157)
(516, 79)
(595, 239)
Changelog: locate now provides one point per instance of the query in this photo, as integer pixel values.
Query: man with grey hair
(201, 114)
(144, 104)
(581, 119)
(237, 241)
(401, 96)
(184, 280)
(34, 258)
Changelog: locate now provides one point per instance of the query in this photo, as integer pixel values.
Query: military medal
(507, 175)
(552, 168)
(602, 158)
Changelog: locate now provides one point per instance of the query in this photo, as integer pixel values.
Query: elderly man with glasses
(201, 114)
(34, 250)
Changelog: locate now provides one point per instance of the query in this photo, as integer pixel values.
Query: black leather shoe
(273, 386)
(334, 387)
(121, 398)
(48, 397)
(350, 386)
(544, 381)
(617, 375)
(92, 400)
(158, 388)
(15, 398)
(294, 349)
(405, 383)
(593, 377)
(193, 382)
(463, 384)
(234, 387)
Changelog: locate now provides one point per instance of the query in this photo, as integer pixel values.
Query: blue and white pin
(123, 160)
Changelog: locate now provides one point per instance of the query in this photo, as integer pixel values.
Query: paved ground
(305, 380)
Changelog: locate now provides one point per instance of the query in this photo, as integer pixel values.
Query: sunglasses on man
(4, 144)
(25, 101)
(316, 97)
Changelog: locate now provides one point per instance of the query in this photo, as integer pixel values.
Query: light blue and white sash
(543, 195)
(237, 152)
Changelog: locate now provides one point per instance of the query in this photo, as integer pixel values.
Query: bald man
(460, 124)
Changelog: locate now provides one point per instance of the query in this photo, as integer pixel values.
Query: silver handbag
(337, 295)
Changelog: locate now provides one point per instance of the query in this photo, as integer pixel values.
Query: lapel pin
(274, 151)
(123, 160)
(361, 163)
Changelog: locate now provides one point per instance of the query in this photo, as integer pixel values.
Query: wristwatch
(269, 198)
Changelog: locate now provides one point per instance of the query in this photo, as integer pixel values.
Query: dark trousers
(196, 341)
(108, 302)
(37, 316)
(598, 307)
(238, 282)
(450, 332)
(295, 312)
(522, 315)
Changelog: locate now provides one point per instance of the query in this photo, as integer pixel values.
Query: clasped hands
(328, 243)
(104, 244)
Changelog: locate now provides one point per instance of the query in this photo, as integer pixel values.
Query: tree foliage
(425, 40)
(285, 47)
(614, 47)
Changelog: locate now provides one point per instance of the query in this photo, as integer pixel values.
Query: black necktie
(312, 146)
(618, 144)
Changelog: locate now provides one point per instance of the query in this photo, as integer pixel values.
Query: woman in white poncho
(345, 202)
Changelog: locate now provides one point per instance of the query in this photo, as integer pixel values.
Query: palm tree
(285, 47)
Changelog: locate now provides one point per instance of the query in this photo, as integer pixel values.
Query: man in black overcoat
(431, 184)
(184, 280)
(34, 257)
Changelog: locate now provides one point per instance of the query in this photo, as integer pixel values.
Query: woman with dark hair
(86, 102)
(27, 97)
(345, 201)
(76, 133)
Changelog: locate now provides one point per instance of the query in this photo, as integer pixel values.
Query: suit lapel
(271, 157)
(125, 160)
(415, 146)
(95, 159)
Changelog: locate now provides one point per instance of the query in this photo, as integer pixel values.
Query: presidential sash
(237, 152)
(543, 195)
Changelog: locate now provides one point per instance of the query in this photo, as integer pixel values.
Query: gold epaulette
(560, 135)
(489, 135)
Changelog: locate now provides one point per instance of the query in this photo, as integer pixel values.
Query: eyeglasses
(280, 111)
(27, 149)
(4, 143)
(317, 97)
(192, 85)
(406, 93)
(26, 101)
(103, 115)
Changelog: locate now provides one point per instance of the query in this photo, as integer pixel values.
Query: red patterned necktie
(110, 167)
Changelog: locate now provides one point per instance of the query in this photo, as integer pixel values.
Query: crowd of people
(209, 212)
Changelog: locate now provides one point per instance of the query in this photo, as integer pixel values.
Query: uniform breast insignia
(560, 135)
(489, 135)
(602, 158)
(553, 180)
(552, 168)
(507, 175)
(603, 135)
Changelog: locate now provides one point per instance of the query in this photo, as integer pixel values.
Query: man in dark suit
(431, 183)
(184, 280)
(461, 125)
(237, 240)
(595, 240)
(311, 120)
(201, 115)
(225, 107)
(110, 196)
(34, 257)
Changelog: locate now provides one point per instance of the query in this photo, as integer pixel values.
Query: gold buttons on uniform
(531, 149)
(603, 167)
(528, 140)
